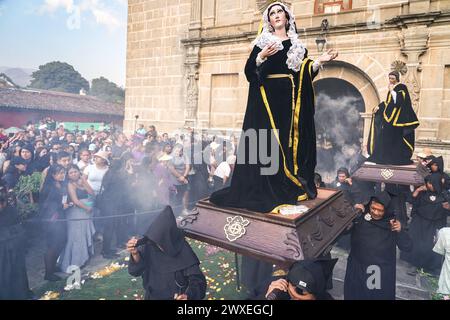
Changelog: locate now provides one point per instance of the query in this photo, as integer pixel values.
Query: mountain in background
(20, 76)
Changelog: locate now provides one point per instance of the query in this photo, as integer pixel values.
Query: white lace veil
(296, 53)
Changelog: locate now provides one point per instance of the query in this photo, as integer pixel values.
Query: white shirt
(95, 176)
(82, 165)
(442, 247)
(223, 170)
(394, 96)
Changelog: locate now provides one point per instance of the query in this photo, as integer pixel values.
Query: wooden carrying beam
(405, 175)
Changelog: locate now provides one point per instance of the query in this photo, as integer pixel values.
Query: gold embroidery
(275, 131)
(297, 116)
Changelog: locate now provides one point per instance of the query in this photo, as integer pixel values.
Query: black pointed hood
(439, 161)
(382, 197)
(176, 254)
(165, 233)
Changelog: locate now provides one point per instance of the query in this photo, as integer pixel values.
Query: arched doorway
(339, 125)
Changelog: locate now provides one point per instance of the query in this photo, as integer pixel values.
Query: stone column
(414, 43)
(191, 66)
(192, 63)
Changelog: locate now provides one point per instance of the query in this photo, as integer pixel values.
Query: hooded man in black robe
(167, 264)
(371, 273)
(428, 216)
(391, 136)
(436, 165)
(13, 273)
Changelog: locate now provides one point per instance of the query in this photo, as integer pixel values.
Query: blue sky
(88, 34)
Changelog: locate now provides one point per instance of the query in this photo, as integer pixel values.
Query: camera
(277, 294)
(142, 241)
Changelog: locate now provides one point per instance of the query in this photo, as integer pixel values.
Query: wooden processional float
(307, 231)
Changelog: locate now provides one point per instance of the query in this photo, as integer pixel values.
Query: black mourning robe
(428, 216)
(175, 270)
(13, 272)
(270, 106)
(440, 163)
(373, 243)
(391, 136)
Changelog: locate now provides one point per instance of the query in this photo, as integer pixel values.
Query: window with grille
(332, 6)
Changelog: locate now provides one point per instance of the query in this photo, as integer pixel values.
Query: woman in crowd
(70, 149)
(27, 153)
(42, 160)
(85, 159)
(94, 174)
(164, 180)
(167, 148)
(79, 247)
(179, 167)
(53, 202)
(13, 151)
(17, 167)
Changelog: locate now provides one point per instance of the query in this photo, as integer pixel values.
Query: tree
(106, 90)
(58, 76)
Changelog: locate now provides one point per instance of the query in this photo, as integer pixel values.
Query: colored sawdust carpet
(114, 283)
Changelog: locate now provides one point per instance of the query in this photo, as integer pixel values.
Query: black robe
(174, 271)
(373, 243)
(428, 216)
(270, 106)
(13, 272)
(391, 136)
(440, 163)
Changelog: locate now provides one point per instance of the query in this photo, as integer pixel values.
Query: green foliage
(58, 76)
(24, 190)
(433, 282)
(106, 90)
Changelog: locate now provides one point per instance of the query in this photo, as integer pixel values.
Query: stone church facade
(185, 58)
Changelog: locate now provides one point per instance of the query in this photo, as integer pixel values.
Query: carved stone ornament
(414, 43)
(399, 66)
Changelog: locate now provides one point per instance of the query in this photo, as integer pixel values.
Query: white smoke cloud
(103, 12)
(338, 119)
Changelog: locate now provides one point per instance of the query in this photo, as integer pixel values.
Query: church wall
(158, 39)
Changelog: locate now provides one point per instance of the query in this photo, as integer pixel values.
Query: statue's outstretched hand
(328, 56)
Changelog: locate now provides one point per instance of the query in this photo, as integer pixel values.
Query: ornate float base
(413, 174)
(275, 238)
